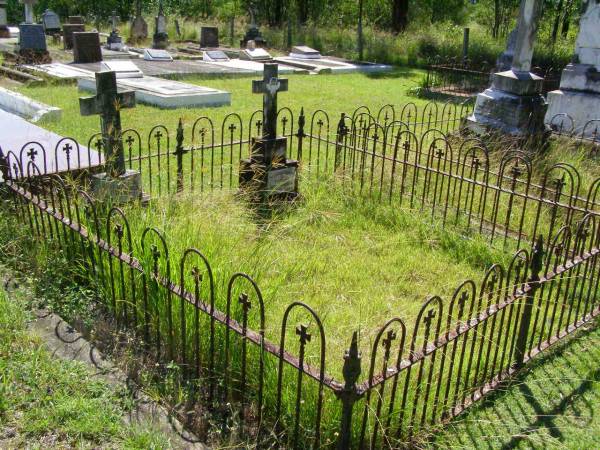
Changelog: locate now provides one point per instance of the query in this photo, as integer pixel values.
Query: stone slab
(166, 93)
(581, 107)
(17, 103)
(215, 55)
(336, 65)
(518, 83)
(154, 54)
(255, 54)
(123, 69)
(304, 52)
(23, 132)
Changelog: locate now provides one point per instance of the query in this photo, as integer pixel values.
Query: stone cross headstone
(86, 47)
(269, 86)
(253, 33)
(51, 22)
(108, 104)
(139, 27)
(114, 41)
(268, 173)
(4, 31)
(160, 40)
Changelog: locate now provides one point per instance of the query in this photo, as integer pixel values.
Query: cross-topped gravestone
(117, 184)
(526, 30)
(268, 172)
(269, 86)
(108, 104)
(114, 41)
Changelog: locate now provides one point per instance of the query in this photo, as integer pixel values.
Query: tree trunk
(497, 19)
(567, 19)
(399, 15)
(559, 10)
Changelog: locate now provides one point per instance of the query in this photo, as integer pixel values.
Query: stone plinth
(267, 173)
(118, 190)
(68, 30)
(513, 105)
(32, 37)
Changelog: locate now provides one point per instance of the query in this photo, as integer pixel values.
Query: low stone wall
(27, 108)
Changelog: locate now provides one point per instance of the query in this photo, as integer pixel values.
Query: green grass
(333, 93)
(553, 405)
(50, 403)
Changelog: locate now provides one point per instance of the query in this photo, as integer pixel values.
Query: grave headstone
(304, 52)
(257, 54)
(51, 22)
(68, 30)
(504, 61)
(253, 33)
(209, 37)
(514, 104)
(123, 69)
(267, 173)
(139, 27)
(151, 54)
(160, 39)
(86, 47)
(28, 10)
(32, 39)
(114, 41)
(117, 184)
(579, 93)
(215, 56)
(76, 20)
(4, 31)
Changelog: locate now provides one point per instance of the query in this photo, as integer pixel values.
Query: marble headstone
(209, 37)
(86, 47)
(51, 22)
(579, 93)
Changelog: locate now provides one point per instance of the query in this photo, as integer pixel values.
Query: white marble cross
(526, 33)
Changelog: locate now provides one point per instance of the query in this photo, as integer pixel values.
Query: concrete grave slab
(304, 52)
(52, 159)
(123, 69)
(61, 71)
(153, 54)
(255, 54)
(166, 93)
(215, 55)
(17, 103)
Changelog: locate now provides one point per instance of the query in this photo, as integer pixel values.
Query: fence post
(179, 152)
(533, 284)
(342, 131)
(465, 49)
(300, 134)
(348, 394)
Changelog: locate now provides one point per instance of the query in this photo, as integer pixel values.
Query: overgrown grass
(47, 403)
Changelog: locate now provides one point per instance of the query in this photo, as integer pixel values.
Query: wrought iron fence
(415, 377)
(462, 78)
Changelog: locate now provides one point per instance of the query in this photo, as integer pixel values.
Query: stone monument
(32, 39)
(268, 174)
(209, 37)
(51, 22)
(77, 20)
(114, 41)
(86, 47)
(68, 30)
(253, 33)
(504, 61)
(579, 93)
(514, 103)
(139, 27)
(116, 185)
(4, 31)
(160, 40)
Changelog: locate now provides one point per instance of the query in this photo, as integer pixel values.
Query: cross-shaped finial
(302, 332)
(493, 281)
(32, 153)
(119, 231)
(387, 342)
(245, 302)
(516, 171)
(462, 300)
(439, 153)
(406, 145)
(67, 149)
(476, 163)
(559, 183)
(269, 86)
(196, 274)
(429, 317)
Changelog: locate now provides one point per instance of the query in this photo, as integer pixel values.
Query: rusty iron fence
(460, 78)
(587, 133)
(282, 390)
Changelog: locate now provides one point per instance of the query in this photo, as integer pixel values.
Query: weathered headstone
(114, 41)
(504, 61)
(267, 173)
(116, 184)
(51, 22)
(215, 56)
(253, 33)
(139, 27)
(514, 104)
(79, 20)
(4, 31)
(86, 47)
(579, 93)
(151, 54)
(257, 54)
(160, 39)
(68, 30)
(304, 52)
(32, 39)
(209, 37)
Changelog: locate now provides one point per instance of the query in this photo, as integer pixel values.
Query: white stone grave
(255, 54)
(152, 54)
(215, 56)
(123, 69)
(166, 93)
(304, 52)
